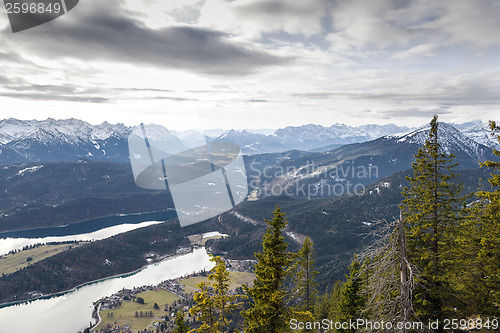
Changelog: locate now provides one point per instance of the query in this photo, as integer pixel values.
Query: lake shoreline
(122, 275)
(12, 233)
(75, 311)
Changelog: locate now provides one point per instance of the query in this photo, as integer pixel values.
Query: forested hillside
(433, 269)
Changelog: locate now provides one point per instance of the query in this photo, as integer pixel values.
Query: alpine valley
(334, 182)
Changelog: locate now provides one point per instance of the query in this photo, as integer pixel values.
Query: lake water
(89, 225)
(89, 230)
(72, 312)
(9, 244)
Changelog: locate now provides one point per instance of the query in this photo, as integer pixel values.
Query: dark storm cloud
(105, 32)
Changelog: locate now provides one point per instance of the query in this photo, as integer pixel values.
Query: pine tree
(204, 308)
(224, 303)
(335, 297)
(269, 312)
(180, 323)
(213, 301)
(477, 249)
(351, 299)
(431, 209)
(489, 254)
(305, 291)
(470, 283)
(322, 306)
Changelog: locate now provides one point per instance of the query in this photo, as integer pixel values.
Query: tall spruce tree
(224, 302)
(471, 283)
(322, 306)
(431, 209)
(305, 292)
(489, 254)
(478, 248)
(180, 323)
(351, 301)
(204, 309)
(268, 310)
(213, 301)
(335, 297)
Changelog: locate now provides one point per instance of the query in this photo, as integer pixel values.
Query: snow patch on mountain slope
(72, 131)
(32, 169)
(481, 133)
(450, 139)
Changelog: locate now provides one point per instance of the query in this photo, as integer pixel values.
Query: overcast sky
(256, 63)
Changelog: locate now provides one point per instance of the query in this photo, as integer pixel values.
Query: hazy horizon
(256, 63)
(262, 129)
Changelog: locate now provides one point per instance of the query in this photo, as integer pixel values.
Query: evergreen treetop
(432, 210)
(269, 311)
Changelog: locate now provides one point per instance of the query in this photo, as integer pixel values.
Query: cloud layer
(322, 61)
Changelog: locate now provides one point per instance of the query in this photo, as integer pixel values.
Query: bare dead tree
(389, 275)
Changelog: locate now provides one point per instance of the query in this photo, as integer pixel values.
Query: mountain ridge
(339, 170)
(53, 140)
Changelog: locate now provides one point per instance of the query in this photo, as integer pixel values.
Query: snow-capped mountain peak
(68, 139)
(72, 139)
(450, 140)
(481, 133)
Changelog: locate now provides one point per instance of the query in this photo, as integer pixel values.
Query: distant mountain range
(70, 140)
(308, 137)
(338, 171)
(61, 140)
(479, 132)
(58, 172)
(70, 191)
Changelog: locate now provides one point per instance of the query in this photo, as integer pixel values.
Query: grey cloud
(54, 97)
(104, 32)
(279, 8)
(144, 89)
(176, 99)
(453, 97)
(18, 88)
(9, 57)
(4, 80)
(404, 24)
(471, 23)
(481, 89)
(306, 18)
(46, 88)
(186, 14)
(412, 112)
(21, 89)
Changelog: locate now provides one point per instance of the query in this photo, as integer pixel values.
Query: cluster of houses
(182, 304)
(240, 265)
